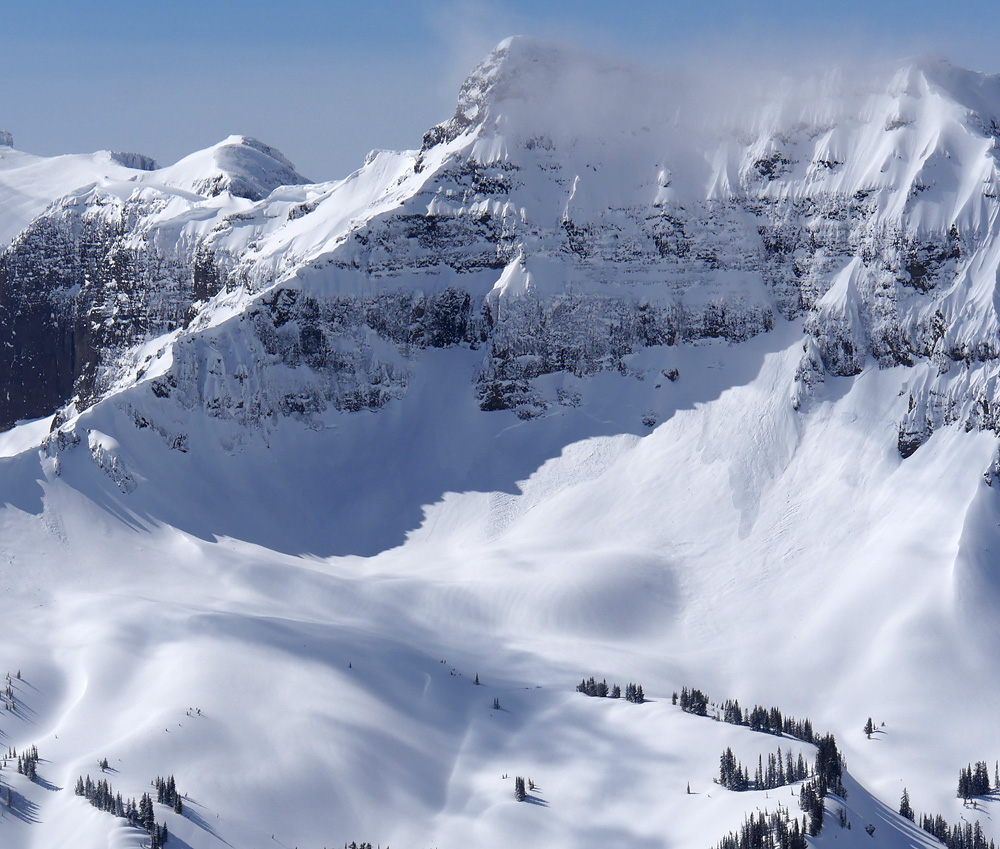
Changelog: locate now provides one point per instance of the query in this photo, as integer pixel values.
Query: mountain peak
(519, 68)
(975, 91)
(240, 165)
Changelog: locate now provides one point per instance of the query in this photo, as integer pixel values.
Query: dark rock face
(75, 296)
(588, 334)
(473, 101)
(138, 161)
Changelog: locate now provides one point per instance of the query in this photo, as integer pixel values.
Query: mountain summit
(239, 165)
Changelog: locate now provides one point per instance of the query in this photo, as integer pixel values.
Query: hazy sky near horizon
(325, 82)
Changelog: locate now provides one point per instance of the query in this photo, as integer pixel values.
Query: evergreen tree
(828, 766)
(964, 782)
(981, 779)
(869, 728)
(904, 806)
(811, 802)
(146, 816)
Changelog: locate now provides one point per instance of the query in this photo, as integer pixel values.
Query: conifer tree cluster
(811, 801)
(767, 720)
(102, 797)
(353, 845)
(781, 769)
(139, 814)
(829, 767)
(694, 701)
(519, 792)
(600, 689)
(27, 763)
(166, 793)
(634, 693)
(974, 781)
(960, 836)
(593, 688)
(766, 831)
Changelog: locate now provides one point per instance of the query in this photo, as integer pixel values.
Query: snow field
(336, 692)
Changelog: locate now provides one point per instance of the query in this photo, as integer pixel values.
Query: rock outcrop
(548, 237)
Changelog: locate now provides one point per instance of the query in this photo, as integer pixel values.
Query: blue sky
(327, 81)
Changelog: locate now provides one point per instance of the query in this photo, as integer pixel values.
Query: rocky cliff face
(550, 237)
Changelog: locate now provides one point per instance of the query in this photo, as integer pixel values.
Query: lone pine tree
(904, 806)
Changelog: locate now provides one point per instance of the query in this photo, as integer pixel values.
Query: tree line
(781, 769)
(773, 831)
(973, 781)
(766, 831)
(759, 718)
(960, 836)
(600, 689)
(140, 814)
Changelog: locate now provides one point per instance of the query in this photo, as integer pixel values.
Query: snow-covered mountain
(604, 379)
